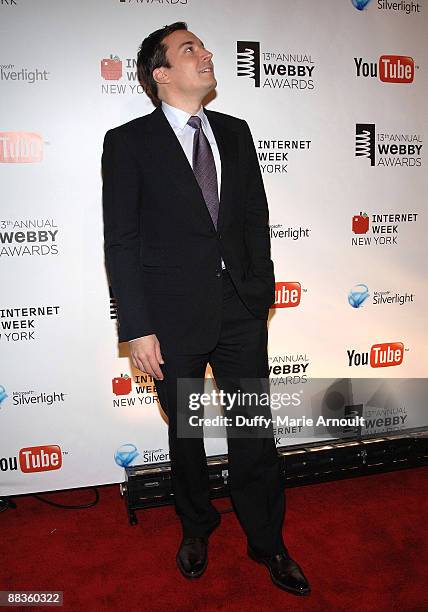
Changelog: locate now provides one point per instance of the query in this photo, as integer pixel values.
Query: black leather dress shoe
(285, 572)
(192, 557)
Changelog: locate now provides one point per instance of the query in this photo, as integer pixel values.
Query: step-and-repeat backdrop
(335, 94)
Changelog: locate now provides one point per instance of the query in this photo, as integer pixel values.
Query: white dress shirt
(178, 119)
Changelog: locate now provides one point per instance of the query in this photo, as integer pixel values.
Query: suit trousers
(255, 478)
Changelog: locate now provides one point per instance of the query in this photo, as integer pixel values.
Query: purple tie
(204, 168)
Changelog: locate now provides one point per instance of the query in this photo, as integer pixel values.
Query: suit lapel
(171, 156)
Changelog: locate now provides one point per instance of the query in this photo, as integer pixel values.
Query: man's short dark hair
(152, 55)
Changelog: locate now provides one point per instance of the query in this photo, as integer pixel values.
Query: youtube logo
(386, 354)
(20, 147)
(382, 355)
(40, 458)
(396, 69)
(389, 68)
(287, 295)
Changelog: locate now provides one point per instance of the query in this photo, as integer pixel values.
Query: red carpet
(362, 544)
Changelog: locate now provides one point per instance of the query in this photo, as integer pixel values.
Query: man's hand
(146, 355)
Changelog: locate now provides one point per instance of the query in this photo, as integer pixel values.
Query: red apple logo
(122, 385)
(111, 68)
(360, 223)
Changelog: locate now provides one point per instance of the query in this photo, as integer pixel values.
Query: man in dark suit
(187, 250)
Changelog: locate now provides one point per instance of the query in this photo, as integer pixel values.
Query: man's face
(192, 70)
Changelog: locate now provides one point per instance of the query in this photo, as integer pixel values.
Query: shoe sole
(276, 583)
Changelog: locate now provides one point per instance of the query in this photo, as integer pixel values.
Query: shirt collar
(178, 118)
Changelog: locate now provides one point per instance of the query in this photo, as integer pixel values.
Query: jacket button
(218, 274)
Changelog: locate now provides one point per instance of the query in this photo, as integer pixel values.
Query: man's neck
(188, 106)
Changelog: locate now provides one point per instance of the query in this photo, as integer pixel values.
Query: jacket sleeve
(257, 234)
(121, 212)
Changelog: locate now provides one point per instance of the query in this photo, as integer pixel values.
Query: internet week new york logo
(380, 228)
(276, 70)
(144, 387)
(113, 70)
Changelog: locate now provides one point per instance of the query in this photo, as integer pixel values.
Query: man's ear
(160, 75)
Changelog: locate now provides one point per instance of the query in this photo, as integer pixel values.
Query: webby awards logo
(273, 69)
(29, 237)
(388, 149)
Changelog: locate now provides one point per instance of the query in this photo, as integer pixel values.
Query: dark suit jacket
(163, 254)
